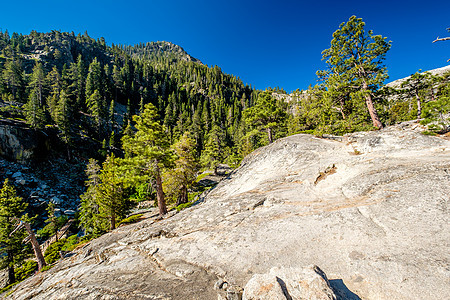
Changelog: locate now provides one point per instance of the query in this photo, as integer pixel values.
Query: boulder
(289, 284)
(55, 200)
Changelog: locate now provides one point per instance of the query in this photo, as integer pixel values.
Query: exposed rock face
(376, 223)
(20, 143)
(289, 284)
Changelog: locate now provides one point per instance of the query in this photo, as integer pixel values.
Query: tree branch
(441, 39)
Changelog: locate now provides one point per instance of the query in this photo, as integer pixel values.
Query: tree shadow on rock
(342, 291)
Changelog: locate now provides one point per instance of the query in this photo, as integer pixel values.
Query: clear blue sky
(265, 43)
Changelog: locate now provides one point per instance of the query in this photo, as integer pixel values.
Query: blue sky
(265, 43)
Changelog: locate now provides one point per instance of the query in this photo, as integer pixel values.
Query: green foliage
(183, 206)
(142, 192)
(267, 114)
(89, 211)
(355, 72)
(437, 113)
(70, 243)
(34, 113)
(26, 269)
(148, 151)
(110, 192)
(179, 179)
(11, 247)
(8, 287)
(52, 253)
(131, 219)
(46, 268)
(52, 224)
(104, 201)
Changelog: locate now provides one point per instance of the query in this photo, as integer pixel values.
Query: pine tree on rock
(148, 150)
(414, 86)
(267, 114)
(356, 57)
(181, 177)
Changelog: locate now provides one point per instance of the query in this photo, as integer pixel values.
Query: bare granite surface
(370, 209)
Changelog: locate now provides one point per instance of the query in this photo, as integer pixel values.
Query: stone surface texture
(371, 209)
(289, 284)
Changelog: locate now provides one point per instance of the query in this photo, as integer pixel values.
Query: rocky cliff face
(20, 143)
(370, 209)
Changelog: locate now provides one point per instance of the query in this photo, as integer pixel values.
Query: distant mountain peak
(162, 48)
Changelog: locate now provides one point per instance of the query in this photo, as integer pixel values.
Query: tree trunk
(183, 197)
(160, 193)
(11, 273)
(36, 248)
(419, 107)
(269, 134)
(342, 103)
(113, 221)
(372, 111)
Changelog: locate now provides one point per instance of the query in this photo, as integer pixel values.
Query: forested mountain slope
(74, 82)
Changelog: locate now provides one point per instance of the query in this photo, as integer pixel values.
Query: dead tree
(34, 242)
(438, 39)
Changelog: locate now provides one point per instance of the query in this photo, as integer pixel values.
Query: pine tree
(215, 148)
(13, 79)
(11, 207)
(355, 64)
(34, 113)
(414, 86)
(64, 119)
(110, 191)
(89, 211)
(54, 78)
(52, 220)
(180, 178)
(37, 83)
(268, 114)
(149, 150)
(94, 78)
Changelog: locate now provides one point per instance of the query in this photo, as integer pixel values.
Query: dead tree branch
(441, 39)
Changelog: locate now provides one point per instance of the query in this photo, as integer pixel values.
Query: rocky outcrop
(289, 284)
(376, 224)
(20, 143)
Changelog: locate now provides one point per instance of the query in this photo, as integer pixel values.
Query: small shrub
(131, 219)
(183, 206)
(71, 242)
(427, 132)
(201, 176)
(46, 268)
(48, 230)
(6, 288)
(51, 254)
(26, 270)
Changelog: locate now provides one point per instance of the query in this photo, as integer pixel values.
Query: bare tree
(31, 238)
(443, 39)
